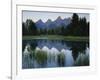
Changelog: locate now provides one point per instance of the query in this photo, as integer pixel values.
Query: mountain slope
(49, 24)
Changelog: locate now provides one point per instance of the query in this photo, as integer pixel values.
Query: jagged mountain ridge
(49, 24)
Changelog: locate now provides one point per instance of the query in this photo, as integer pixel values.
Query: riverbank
(57, 37)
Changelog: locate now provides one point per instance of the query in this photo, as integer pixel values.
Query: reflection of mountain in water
(59, 53)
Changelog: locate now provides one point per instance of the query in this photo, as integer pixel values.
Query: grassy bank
(57, 37)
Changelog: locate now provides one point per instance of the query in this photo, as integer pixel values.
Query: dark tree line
(77, 27)
(29, 28)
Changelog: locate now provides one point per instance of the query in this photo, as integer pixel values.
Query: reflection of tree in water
(41, 58)
(23, 45)
(33, 44)
(76, 48)
(61, 59)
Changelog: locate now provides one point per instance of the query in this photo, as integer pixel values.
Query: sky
(44, 16)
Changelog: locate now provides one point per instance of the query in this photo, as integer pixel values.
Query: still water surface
(42, 53)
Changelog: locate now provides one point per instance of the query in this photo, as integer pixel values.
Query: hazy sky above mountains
(44, 16)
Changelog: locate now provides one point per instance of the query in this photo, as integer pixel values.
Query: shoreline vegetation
(57, 37)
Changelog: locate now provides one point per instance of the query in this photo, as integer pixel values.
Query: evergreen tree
(29, 27)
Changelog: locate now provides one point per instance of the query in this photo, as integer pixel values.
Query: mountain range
(49, 24)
